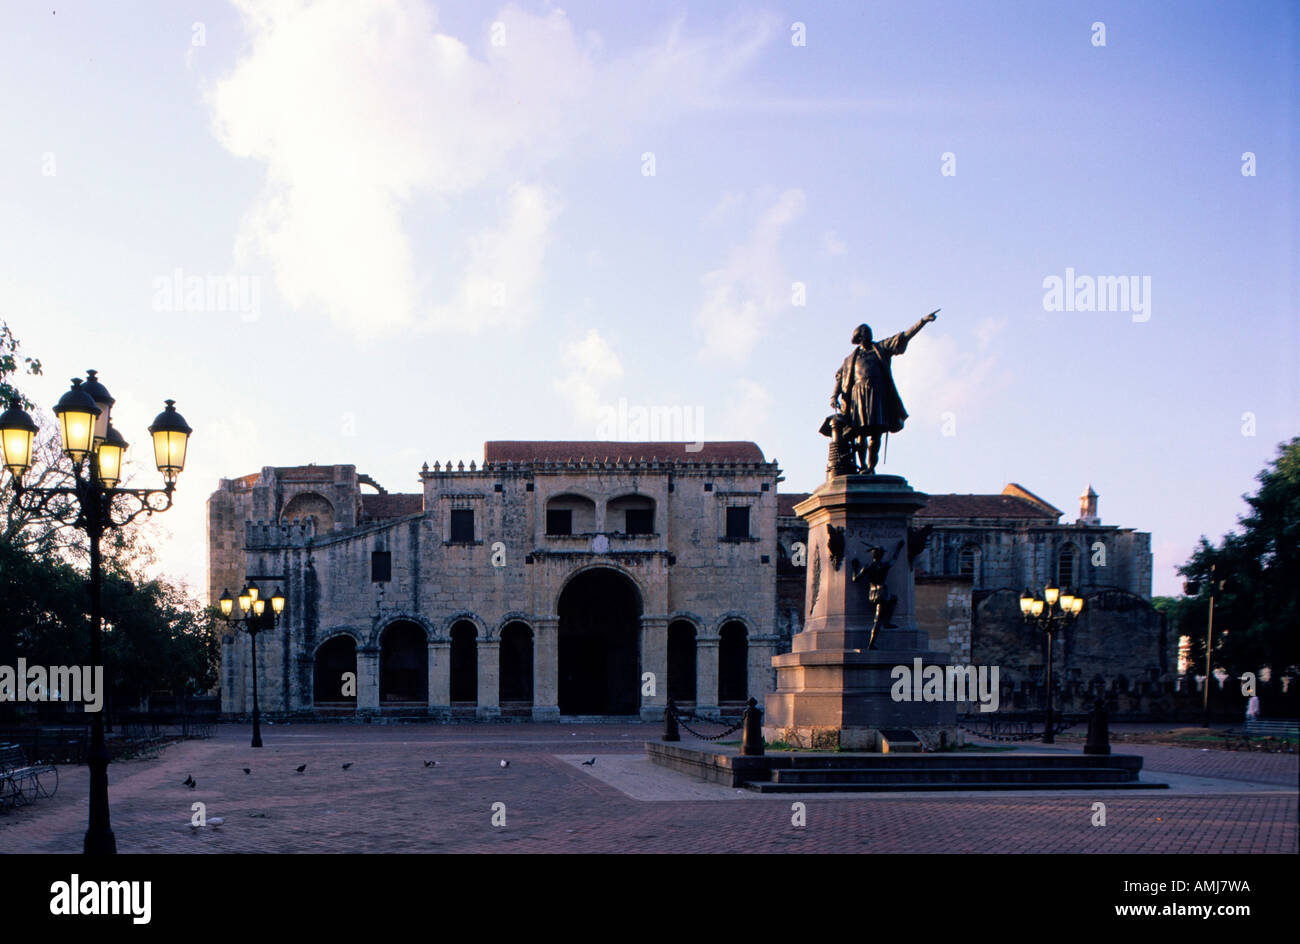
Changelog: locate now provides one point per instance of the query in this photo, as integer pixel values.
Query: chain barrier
(677, 715)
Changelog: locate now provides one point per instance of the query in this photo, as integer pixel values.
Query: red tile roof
(391, 506)
(785, 502)
(984, 506)
(956, 506)
(600, 450)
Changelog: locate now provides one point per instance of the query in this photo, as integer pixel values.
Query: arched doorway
(403, 664)
(733, 662)
(516, 665)
(331, 682)
(464, 663)
(599, 644)
(681, 661)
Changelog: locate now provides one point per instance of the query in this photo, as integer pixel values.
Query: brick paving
(390, 802)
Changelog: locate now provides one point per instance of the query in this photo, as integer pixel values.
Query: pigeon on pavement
(302, 768)
(589, 763)
(190, 782)
(505, 763)
(347, 765)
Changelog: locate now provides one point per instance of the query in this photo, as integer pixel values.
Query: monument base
(834, 691)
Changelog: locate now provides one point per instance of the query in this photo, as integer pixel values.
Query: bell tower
(1088, 507)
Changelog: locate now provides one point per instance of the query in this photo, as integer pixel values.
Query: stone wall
(687, 569)
(1118, 638)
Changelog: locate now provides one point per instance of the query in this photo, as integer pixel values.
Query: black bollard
(670, 723)
(1098, 729)
(751, 744)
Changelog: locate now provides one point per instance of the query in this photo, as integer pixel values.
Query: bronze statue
(876, 572)
(865, 395)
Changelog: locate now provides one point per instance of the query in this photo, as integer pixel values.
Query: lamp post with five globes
(1049, 614)
(255, 620)
(96, 450)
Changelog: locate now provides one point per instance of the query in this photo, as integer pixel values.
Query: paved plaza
(390, 801)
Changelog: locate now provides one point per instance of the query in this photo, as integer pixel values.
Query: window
(381, 566)
(462, 526)
(640, 521)
(968, 562)
(559, 521)
(1065, 567)
(738, 522)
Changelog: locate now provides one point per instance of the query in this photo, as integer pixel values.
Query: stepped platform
(845, 772)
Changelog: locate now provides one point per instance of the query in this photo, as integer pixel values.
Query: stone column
(546, 670)
(706, 675)
(489, 679)
(762, 677)
(654, 659)
(367, 680)
(440, 678)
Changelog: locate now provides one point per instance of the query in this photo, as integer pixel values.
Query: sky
(383, 233)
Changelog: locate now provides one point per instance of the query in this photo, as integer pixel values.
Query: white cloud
(749, 410)
(589, 364)
(750, 288)
(833, 245)
(504, 264)
(940, 374)
(359, 110)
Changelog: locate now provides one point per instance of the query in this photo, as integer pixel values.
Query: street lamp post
(96, 450)
(255, 620)
(1050, 614)
(1191, 588)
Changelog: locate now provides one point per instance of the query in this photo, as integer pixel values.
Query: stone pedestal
(831, 690)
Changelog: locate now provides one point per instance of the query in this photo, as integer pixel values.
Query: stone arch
(581, 511)
(734, 617)
(620, 508)
(682, 667)
(516, 665)
(599, 642)
(586, 568)
(733, 661)
(465, 616)
(700, 624)
(377, 632)
(309, 505)
(335, 655)
(403, 662)
(464, 634)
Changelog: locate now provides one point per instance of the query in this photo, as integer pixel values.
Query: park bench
(20, 781)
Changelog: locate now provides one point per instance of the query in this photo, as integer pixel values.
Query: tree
(1256, 578)
(156, 635)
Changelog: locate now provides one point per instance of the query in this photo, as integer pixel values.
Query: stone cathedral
(596, 579)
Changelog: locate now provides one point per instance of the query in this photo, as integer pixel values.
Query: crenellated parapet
(267, 534)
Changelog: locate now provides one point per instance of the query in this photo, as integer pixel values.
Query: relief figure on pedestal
(876, 573)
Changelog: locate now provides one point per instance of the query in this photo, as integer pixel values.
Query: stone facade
(557, 578)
